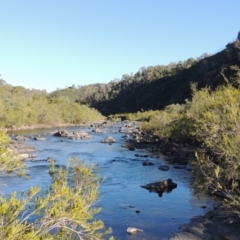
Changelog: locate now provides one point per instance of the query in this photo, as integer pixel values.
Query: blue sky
(50, 44)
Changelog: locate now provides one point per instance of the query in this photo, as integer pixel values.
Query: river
(120, 193)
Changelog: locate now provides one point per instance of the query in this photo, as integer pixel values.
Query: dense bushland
(20, 106)
(131, 92)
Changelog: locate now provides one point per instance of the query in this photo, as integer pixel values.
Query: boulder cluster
(72, 135)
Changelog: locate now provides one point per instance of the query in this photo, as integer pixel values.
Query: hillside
(156, 87)
(24, 108)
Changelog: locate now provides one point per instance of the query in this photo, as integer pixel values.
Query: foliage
(65, 211)
(135, 92)
(217, 127)
(154, 87)
(20, 106)
(168, 123)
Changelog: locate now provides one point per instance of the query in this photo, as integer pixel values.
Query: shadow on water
(124, 203)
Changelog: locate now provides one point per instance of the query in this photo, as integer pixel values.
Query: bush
(217, 127)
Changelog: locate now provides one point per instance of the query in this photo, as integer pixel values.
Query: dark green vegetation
(153, 88)
(20, 106)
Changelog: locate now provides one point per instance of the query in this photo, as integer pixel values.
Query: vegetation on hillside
(121, 95)
(20, 106)
(155, 87)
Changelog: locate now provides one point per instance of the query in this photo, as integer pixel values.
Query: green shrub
(217, 127)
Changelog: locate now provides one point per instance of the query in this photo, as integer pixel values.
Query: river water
(120, 192)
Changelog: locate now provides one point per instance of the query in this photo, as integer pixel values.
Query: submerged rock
(39, 138)
(163, 167)
(147, 163)
(179, 167)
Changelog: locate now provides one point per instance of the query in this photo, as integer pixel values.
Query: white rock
(131, 230)
(23, 156)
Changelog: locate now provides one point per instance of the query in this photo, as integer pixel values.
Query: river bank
(220, 223)
(44, 126)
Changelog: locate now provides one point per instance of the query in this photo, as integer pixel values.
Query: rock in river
(109, 139)
(163, 167)
(147, 163)
(161, 186)
(131, 230)
(72, 135)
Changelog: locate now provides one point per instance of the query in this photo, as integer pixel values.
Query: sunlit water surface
(159, 216)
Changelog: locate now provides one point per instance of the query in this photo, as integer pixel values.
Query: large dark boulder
(62, 133)
(161, 186)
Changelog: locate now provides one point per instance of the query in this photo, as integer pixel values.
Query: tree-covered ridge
(155, 87)
(20, 106)
(96, 93)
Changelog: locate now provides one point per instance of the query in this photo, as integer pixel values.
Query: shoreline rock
(220, 223)
(21, 150)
